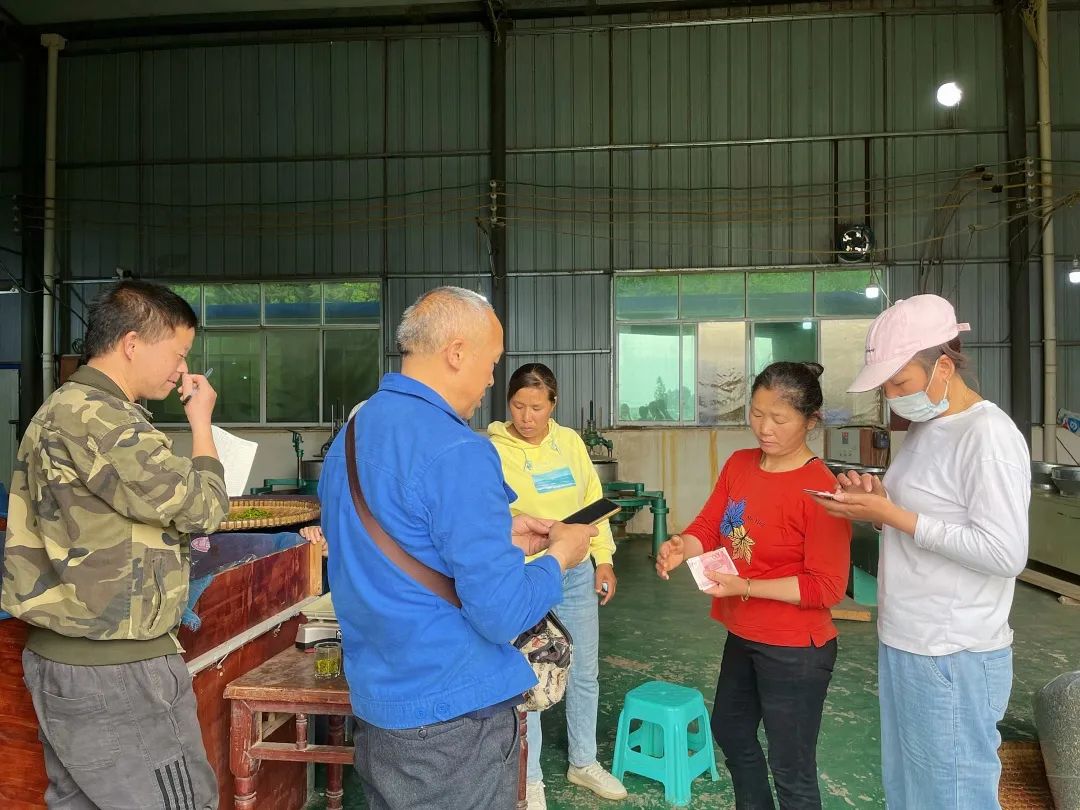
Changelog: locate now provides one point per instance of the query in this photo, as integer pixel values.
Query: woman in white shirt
(953, 511)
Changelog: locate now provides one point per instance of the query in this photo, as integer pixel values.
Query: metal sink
(1042, 476)
(1067, 480)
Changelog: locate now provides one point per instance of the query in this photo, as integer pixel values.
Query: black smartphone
(594, 512)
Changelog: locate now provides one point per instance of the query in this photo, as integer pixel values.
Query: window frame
(262, 329)
(876, 273)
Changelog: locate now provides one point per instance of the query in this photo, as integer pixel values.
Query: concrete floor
(657, 630)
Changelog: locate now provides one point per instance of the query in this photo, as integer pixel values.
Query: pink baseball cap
(902, 331)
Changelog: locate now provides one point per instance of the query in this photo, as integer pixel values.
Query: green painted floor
(661, 630)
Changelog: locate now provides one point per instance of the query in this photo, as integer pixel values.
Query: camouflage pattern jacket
(99, 516)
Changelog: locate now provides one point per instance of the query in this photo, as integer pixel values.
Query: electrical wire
(373, 198)
(302, 220)
(777, 250)
(40, 279)
(824, 189)
(650, 208)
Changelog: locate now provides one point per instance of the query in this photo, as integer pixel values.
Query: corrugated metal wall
(353, 158)
(634, 145)
(275, 160)
(639, 146)
(1065, 106)
(11, 90)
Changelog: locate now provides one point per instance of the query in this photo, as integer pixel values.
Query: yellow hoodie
(553, 479)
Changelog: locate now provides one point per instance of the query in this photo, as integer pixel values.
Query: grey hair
(437, 317)
(928, 358)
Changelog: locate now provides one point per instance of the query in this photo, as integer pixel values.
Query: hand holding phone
(570, 543)
(594, 513)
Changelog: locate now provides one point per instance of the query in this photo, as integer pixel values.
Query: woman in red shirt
(793, 561)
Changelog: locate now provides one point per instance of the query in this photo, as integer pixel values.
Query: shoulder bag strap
(436, 582)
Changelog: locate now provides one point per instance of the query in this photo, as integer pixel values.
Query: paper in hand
(718, 560)
(237, 457)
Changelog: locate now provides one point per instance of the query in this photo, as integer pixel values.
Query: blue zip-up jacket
(435, 486)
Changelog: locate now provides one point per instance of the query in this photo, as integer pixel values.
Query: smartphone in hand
(820, 493)
(594, 512)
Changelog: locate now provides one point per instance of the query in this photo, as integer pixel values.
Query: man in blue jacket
(433, 686)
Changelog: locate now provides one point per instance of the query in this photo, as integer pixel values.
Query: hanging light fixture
(1074, 274)
(873, 291)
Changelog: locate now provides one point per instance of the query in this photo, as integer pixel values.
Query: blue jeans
(939, 736)
(579, 611)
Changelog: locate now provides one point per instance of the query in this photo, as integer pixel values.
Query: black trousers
(784, 687)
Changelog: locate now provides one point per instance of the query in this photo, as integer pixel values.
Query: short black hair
(797, 384)
(152, 311)
(533, 375)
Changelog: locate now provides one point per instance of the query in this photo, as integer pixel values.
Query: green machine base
(292, 486)
(632, 497)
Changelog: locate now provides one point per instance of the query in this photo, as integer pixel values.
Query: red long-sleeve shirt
(784, 532)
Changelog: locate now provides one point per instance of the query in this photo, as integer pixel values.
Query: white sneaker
(534, 795)
(598, 780)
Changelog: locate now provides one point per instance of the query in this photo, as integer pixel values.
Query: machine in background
(864, 449)
(1054, 537)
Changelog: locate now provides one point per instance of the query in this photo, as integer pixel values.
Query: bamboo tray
(282, 513)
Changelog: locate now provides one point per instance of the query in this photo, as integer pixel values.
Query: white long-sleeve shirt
(950, 587)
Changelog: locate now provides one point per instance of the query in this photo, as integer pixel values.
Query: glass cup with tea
(327, 660)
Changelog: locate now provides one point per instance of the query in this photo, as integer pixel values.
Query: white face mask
(917, 407)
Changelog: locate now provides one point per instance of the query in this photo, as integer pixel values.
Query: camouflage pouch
(549, 650)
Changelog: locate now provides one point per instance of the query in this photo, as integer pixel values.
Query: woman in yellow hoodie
(549, 468)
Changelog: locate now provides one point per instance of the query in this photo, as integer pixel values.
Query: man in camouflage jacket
(96, 561)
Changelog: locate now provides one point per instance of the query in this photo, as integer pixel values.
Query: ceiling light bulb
(807, 325)
(1074, 274)
(949, 94)
(872, 291)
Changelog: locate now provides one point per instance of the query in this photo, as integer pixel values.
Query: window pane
(843, 292)
(192, 293)
(352, 302)
(232, 304)
(842, 353)
(688, 386)
(292, 376)
(718, 295)
(169, 409)
(773, 295)
(721, 373)
(292, 303)
(350, 369)
(648, 373)
(646, 298)
(795, 342)
(237, 363)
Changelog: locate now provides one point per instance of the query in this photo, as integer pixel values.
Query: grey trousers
(120, 737)
(462, 764)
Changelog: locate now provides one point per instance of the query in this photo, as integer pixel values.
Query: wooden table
(268, 697)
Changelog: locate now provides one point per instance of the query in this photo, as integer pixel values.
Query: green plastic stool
(664, 747)
(863, 586)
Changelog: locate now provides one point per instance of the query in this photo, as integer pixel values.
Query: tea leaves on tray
(250, 513)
